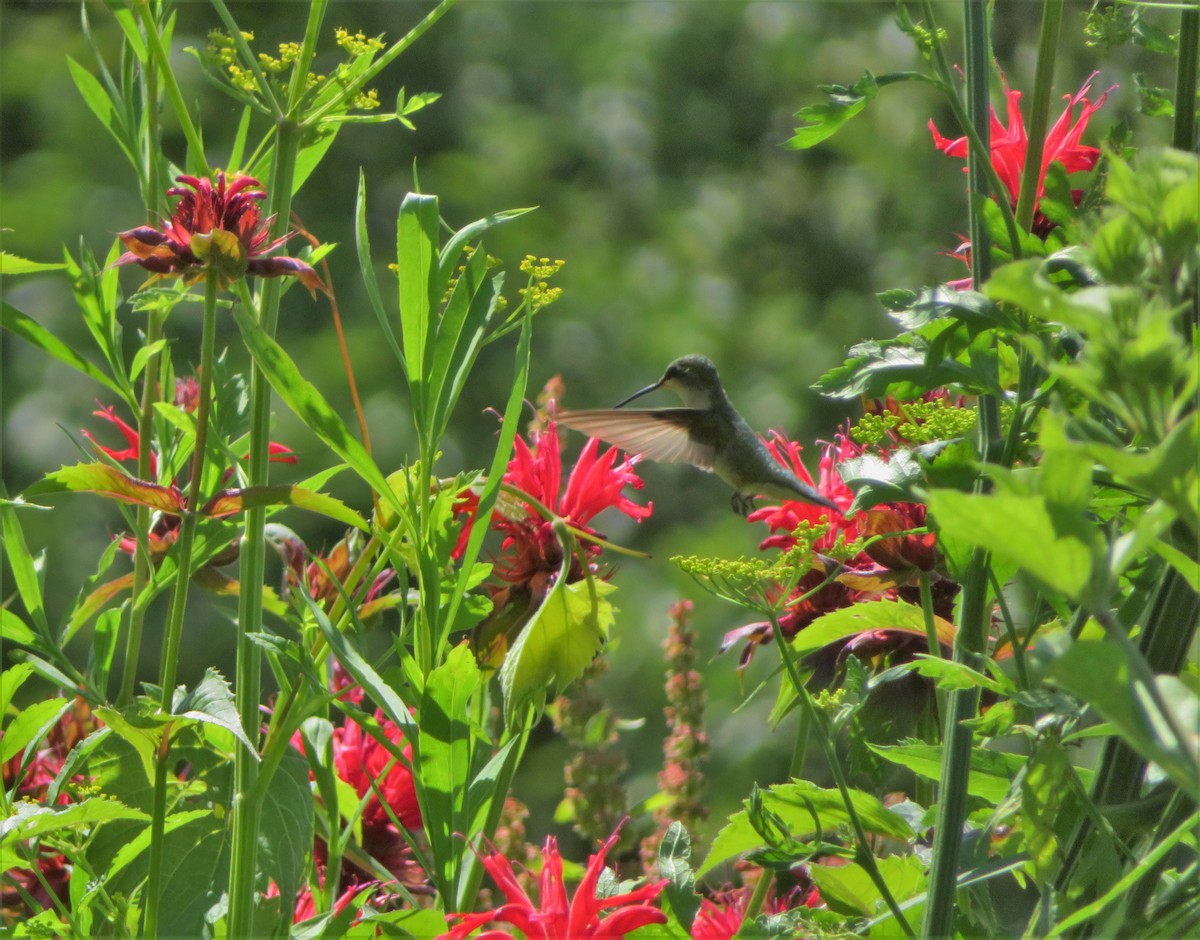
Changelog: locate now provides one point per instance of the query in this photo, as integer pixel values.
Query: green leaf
(11, 679)
(459, 336)
(560, 641)
(142, 732)
(229, 502)
(25, 570)
(849, 889)
(285, 833)
(212, 702)
(992, 772)
(367, 270)
(13, 264)
(416, 259)
(443, 766)
(106, 480)
(824, 120)
(14, 629)
(302, 397)
(1019, 530)
(1045, 793)
(674, 864)
(810, 813)
(32, 820)
(31, 724)
(1098, 672)
(866, 616)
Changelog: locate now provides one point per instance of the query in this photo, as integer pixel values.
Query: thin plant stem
(971, 637)
(174, 632)
(1031, 173)
(931, 634)
(862, 849)
(154, 199)
(977, 138)
(1183, 135)
(758, 898)
(247, 770)
(161, 55)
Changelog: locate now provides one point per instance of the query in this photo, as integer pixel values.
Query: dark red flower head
(214, 228)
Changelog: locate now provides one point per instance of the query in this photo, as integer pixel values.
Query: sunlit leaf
(106, 480)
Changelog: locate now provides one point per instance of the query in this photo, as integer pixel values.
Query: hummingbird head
(693, 378)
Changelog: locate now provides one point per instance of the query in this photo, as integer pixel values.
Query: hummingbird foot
(741, 504)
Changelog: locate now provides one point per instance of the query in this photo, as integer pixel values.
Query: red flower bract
(556, 919)
(214, 228)
(532, 555)
(1009, 145)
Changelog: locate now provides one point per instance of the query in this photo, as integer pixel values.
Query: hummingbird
(706, 432)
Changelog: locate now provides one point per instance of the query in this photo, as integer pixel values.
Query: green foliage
(1033, 447)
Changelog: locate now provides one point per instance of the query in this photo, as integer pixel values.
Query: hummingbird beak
(645, 391)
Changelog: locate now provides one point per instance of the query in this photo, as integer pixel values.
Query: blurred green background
(649, 134)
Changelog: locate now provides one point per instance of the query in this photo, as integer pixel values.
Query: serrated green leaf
(810, 813)
(31, 820)
(285, 833)
(212, 702)
(13, 264)
(849, 889)
(826, 119)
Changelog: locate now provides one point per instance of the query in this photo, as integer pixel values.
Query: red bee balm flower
(556, 919)
(215, 227)
(532, 553)
(1009, 146)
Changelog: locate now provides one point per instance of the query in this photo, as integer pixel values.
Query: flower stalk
(817, 721)
(971, 636)
(1052, 11)
(247, 789)
(175, 617)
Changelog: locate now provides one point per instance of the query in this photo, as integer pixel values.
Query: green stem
(1160, 851)
(248, 681)
(862, 848)
(1031, 174)
(977, 138)
(382, 62)
(931, 634)
(183, 576)
(974, 614)
(154, 198)
(762, 888)
(1184, 132)
(163, 58)
(141, 560)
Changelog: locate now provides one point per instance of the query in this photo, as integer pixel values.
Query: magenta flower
(215, 227)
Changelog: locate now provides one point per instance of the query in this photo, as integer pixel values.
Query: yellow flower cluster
(358, 44)
(223, 52)
(539, 293)
(920, 423)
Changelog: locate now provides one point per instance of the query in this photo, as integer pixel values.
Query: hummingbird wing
(662, 434)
